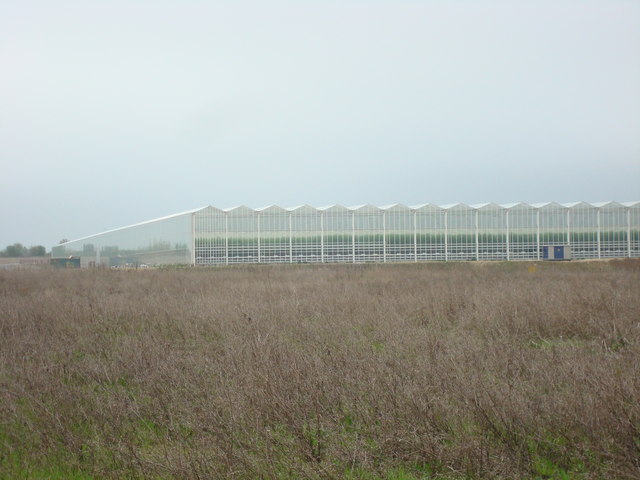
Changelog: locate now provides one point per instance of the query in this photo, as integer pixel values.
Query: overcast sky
(117, 112)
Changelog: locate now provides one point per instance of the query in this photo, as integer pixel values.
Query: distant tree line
(19, 250)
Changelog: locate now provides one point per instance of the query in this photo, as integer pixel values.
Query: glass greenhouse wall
(164, 241)
(336, 234)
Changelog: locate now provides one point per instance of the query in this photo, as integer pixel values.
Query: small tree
(15, 250)
(37, 251)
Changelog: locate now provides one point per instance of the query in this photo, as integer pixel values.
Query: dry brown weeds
(442, 370)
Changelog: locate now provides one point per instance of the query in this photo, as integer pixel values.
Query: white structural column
(322, 237)
(384, 237)
(538, 234)
(629, 232)
(477, 237)
(193, 239)
(415, 235)
(226, 238)
(258, 220)
(353, 236)
(506, 214)
(290, 238)
(598, 232)
(568, 226)
(446, 236)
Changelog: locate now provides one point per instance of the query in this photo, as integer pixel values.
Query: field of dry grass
(450, 371)
(24, 261)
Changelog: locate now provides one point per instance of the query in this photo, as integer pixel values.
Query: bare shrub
(441, 370)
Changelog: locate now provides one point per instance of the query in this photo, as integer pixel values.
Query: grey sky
(117, 112)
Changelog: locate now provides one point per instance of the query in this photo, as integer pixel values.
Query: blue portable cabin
(556, 252)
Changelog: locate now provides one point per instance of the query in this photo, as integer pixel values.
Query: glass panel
(633, 222)
(399, 230)
(583, 230)
(306, 238)
(242, 229)
(338, 234)
(368, 234)
(430, 233)
(461, 233)
(210, 241)
(164, 241)
(492, 233)
(523, 232)
(274, 235)
(553, 224)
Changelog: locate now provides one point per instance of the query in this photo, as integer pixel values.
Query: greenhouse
(337, 234)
